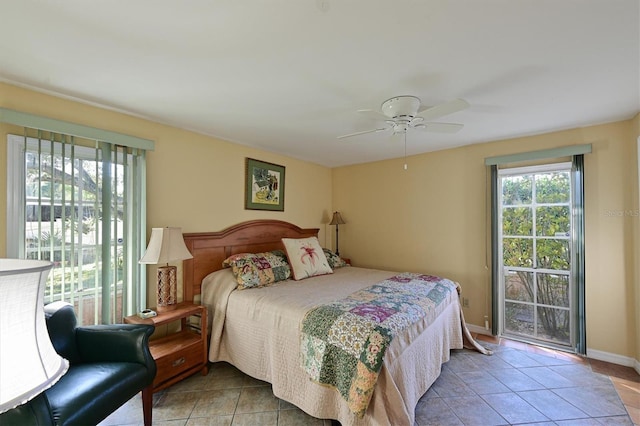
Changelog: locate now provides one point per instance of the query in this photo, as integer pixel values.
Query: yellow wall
(193, 181)
(434, 218)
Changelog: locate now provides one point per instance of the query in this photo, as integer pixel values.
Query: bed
(259, 330)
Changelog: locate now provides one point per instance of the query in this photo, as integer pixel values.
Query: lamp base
(167, 288)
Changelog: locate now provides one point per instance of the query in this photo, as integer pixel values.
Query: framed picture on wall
(264, 186)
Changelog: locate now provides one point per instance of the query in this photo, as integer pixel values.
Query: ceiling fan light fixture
(400, 127)
(401, 113)
(401, 106)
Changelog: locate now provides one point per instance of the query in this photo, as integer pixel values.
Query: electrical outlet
(465, 302)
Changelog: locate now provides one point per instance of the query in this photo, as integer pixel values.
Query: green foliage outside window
(536, 235)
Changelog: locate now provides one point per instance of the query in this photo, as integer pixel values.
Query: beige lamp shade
(29, 364)
(337, 219)
(166, 245)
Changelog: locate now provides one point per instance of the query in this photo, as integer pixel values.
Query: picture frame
(264, 185)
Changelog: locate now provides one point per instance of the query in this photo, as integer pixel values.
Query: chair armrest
(61, 324)
(35, 412)
(115, 343)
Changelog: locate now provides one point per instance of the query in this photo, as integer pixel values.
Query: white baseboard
(614, 358)
(478, 329)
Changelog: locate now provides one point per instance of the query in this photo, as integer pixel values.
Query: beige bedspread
(258, 331)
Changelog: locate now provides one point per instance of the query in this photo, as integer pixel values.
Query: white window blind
(80, 204)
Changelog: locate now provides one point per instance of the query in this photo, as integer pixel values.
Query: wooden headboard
(210, 249)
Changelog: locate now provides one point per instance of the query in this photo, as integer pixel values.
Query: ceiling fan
(400, 113)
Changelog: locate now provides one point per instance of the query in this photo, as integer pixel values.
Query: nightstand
(182, 353)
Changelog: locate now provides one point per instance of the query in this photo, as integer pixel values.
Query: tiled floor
(520, 384)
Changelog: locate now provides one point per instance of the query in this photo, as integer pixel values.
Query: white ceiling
(287, 76)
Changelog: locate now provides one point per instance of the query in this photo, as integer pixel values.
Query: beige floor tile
(179, 422)
(196, 382)
(513, 344)
(129, 414)
(284, 405)
(175, 405)
(257, 399)
(210, 421)
(228, 382)
(576, 359)
(250, 381)
(542, 351)
(634, 413)
(224, 369)
(216, 402)
(269, 418)
(228, 397)
(485, 338)
(297, 417)
(628, 391)
(614, 370)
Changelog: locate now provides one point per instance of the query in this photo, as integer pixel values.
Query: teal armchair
(109, 364)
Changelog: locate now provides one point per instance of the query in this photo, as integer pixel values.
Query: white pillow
(306, 257)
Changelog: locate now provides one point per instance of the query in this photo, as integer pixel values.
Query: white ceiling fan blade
(431, 113)
(363, 132)
(440, 127)
(374, 115)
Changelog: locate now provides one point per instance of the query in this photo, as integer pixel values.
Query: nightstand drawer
(181, 353)
(175, 363)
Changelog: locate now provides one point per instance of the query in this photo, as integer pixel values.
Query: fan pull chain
(405, 150)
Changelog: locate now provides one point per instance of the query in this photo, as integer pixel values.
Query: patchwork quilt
(343, 343)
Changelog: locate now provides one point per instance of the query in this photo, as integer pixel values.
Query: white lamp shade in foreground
(28, 362)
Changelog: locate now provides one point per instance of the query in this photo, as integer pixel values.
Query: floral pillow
(258, 269)
(334, 260)
(306, 257)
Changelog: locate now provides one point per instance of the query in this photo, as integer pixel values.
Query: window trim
(32, 121)
(577, 235)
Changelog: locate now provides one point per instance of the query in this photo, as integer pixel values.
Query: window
(534, 232)
(80, 204)
(544, 237)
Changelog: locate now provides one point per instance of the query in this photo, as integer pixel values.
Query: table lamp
(337, 220)
(166, 245)
(29, 364)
